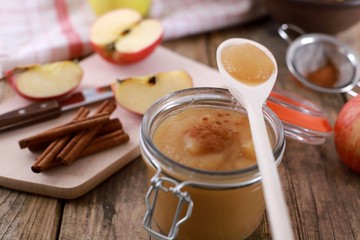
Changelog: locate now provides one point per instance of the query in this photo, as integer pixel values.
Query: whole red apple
(347, 134)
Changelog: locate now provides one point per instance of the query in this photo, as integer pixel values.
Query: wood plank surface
(28, 216)
(113, 210)
(322, 194)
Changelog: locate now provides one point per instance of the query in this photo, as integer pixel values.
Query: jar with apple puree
(202, 174)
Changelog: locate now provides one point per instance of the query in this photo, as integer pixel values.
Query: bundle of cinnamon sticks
(83, 136)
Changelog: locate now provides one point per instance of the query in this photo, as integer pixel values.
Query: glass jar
(189, 203)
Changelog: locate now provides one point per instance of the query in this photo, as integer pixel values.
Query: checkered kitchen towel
(41, 31)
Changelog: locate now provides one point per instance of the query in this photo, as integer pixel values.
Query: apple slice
(138, 93)
(122, 36)
(48, 81)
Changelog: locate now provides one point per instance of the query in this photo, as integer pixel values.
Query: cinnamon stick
(83, 143)
(93, 148)
(78, 143)
(35, 167)
(105, 143)
(111, 126)
(75, 126)
(48, 158)
(107, 136)
(104, 139)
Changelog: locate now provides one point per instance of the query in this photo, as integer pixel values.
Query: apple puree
(247, 63)
(212, 139)
(230, 214)
(207, 138)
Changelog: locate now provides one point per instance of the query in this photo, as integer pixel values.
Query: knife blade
(42, 111)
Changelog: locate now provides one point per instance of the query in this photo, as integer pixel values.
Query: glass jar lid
(302, 120)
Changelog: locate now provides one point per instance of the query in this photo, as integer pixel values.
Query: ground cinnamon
(325, 76)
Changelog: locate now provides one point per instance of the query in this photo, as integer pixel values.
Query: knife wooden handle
(34, 113)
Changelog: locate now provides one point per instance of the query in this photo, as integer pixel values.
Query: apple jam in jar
(203, 179)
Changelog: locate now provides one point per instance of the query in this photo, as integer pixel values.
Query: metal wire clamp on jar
(200, 195)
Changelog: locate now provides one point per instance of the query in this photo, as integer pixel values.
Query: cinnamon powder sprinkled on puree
(207, 138)
(209, 134)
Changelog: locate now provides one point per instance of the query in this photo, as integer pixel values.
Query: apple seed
(152, 80)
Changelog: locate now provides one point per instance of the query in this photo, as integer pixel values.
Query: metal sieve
(313, 53)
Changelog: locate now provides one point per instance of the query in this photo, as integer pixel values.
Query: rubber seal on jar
(302, 120)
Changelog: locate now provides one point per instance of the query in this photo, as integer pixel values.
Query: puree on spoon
(247, 64)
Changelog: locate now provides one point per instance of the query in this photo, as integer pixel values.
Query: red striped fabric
(41, 31)
(75, 44)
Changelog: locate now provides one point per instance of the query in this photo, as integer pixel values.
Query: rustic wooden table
(322, 194)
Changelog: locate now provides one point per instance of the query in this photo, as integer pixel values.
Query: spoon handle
(274, 197)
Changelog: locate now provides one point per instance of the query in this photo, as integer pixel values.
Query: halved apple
(47, 81)
(138, 93)
(122, 36)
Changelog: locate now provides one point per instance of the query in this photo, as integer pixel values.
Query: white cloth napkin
(186, 17)
(41, 31)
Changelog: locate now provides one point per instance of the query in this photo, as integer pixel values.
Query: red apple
(136, 94)
(44, 82)
(122, 36)
(347, 134)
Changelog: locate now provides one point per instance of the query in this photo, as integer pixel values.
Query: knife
(41, 111)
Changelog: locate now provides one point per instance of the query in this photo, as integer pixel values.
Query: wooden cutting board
(83, 175)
